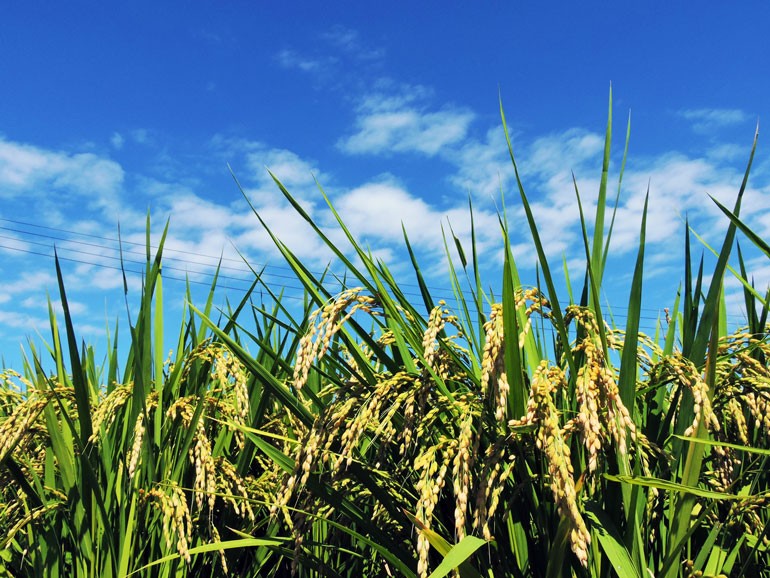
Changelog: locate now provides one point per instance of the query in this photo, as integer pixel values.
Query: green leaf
(711, 305)
(668, 486)
(721, 444)
(628, 363)
(514, 368)
(215, 547)
(610, 541)
(457, 556)
(444, 548)
(556, 310)
(596, 259)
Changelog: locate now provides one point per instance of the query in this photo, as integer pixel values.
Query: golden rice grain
(235, 492)
(551, 442)
(316, 342)
(176, 520)
(107, 410)
(436, 323)
(199, 453)
(19, 424)
(29, 518)
(463, 462)
(134, 457)
(431, 482)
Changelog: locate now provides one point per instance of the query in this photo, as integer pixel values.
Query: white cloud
(390, 121)
(571, 150)
(236, 220)
(709, 119)
(546, 166)
(27, 283)
(24, 321)
(295, 173)
(13, 245)
(341, 46)
(24, 300)
(141, 136)
(679, 185)
(75, 307)
(292, 59)
(724, 152)
(117, 140)
(30, 171)
(350, 43)
(483, 168)
(377, 211)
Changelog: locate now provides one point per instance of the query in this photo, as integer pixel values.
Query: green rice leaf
(445, 548)
(215, 547)
(610, 541)
(596, 258)
(668, 486)
(628, 363)
(721, 444)
(711, 305)
(561, 326)
(457, 556)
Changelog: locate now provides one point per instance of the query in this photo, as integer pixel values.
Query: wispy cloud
(23, 321)
(349, 42)
(58, 180)
(288, 58)
(482, 166)
(390, 122)
(337, 57)
(293, 171)
(208, 36)
(117, 140)
(709, 119)
(26, 283)
(679, 186)
(142, 136)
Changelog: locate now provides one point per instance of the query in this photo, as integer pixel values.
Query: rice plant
(371, 434)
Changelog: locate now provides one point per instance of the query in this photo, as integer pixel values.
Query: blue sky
(111, 110)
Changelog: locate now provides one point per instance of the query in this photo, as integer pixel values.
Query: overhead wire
(268, 272)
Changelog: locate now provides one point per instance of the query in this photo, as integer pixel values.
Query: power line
(187, 270)
(186, 262)
(287, 272)
(650, 326)
(117, 268)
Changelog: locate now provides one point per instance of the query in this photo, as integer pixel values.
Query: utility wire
(288, 274)
(287, 271)
(266, 272)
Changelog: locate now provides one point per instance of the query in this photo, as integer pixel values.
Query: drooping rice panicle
(550, 440)
(107, 410)
(134, 456)
(462, 466)
(432, 466)
(316, 342)
(175, 516)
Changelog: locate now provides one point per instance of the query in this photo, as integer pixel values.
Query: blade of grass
(556, 310)
(711, 304)
(610, 541)
(457, 557)
(628, 362)
(596, 257)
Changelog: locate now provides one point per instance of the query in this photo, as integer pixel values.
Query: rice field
(371, 434)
